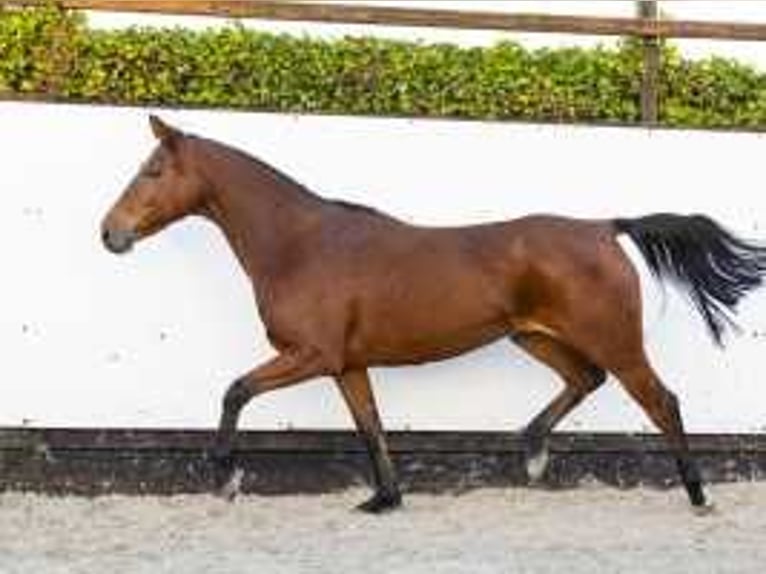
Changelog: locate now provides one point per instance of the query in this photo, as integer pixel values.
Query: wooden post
(647, 10)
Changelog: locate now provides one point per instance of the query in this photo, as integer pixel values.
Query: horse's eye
(152, 172)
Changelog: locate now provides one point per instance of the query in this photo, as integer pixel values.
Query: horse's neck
(263, 214)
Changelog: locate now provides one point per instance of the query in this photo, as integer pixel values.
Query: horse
(342, 287)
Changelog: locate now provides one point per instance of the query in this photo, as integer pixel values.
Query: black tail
(716, 267)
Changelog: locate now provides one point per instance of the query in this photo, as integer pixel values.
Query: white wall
(154, 338)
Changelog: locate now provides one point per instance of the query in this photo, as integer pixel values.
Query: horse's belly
(424, 338)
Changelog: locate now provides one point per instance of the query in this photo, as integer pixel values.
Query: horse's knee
(237, 395)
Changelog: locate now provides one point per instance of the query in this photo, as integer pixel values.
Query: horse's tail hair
(716, 268)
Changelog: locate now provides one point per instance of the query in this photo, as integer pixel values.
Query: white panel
(153, 339)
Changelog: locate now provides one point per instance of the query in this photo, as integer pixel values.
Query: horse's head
(166, 188)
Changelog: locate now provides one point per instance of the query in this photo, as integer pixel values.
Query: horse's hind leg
(357, 392)
(581, 378)
(661, 405)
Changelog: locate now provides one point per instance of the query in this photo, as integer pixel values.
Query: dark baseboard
(138, 461)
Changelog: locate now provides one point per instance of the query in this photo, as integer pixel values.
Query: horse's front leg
(356, 390)
(283, 370)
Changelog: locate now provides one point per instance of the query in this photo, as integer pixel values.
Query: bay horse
(342, 287)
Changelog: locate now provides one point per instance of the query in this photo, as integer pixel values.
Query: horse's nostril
(117, 240)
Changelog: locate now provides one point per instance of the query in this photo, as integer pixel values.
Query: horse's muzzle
(118, 240)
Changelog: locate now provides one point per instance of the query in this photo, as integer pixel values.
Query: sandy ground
(587, 530)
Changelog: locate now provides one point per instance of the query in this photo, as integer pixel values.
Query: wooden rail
(350, 13)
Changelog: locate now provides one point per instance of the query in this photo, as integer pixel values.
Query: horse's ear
(167, 134)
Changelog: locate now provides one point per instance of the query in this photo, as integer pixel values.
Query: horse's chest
(298, 313)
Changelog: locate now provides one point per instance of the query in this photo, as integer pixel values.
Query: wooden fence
(647, 25)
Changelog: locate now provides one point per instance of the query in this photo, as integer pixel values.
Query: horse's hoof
(231, 487)
(381, 502)
(705, 509)
(537, 464)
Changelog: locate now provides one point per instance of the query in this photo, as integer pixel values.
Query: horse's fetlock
(220, 454)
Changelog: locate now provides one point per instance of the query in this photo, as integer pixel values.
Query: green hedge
(53, 53)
